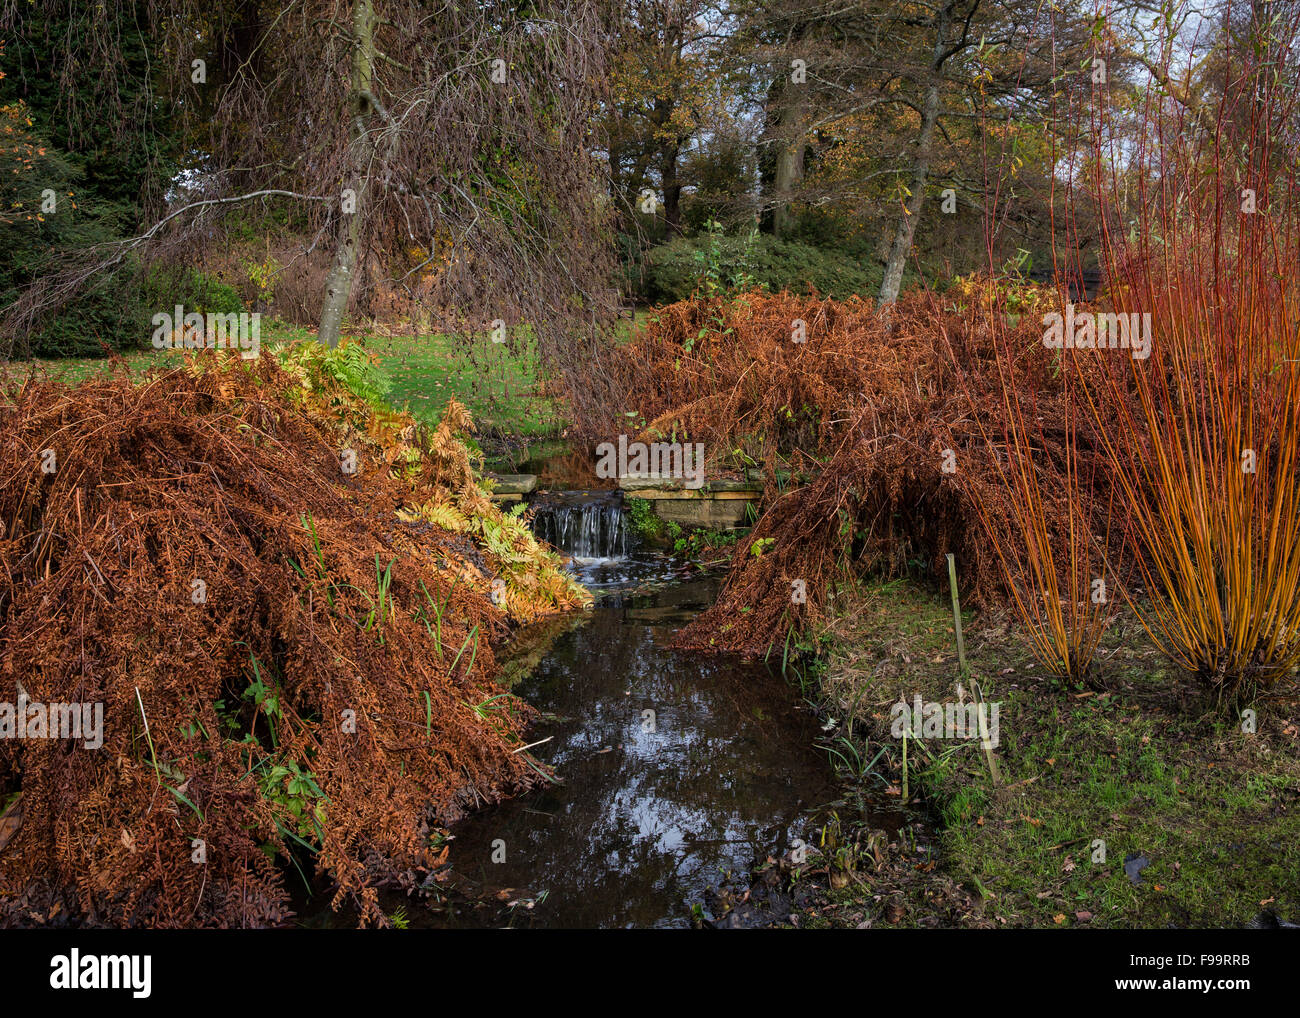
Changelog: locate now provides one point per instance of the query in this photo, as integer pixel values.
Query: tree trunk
(906, 230)
(672, 190)
(338, 285)
(789, 169)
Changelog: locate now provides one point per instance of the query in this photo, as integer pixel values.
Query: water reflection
(677, 769)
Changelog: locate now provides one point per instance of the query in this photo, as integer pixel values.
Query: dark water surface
(652, 812)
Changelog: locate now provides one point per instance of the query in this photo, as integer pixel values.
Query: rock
(512, 487)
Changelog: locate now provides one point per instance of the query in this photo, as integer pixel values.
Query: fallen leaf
(11, 819)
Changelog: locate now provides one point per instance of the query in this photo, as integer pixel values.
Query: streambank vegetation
(287, 598)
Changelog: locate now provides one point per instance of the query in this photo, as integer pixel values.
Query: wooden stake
(961, 661)
(956, 612)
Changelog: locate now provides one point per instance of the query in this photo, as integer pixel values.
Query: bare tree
(461, 130)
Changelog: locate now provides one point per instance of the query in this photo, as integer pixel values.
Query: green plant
(708, 261)
(846, 755)
(697, 543)
(677, 270)
(349, 365)
(645, 523)
(421, 615)
(295, 789)
(383, 606)
(262, 275)
(265, 698)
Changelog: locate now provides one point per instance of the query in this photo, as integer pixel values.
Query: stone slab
(513, 484)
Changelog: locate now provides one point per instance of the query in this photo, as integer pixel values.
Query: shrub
(108, 315)
(865, 409)
(1202, 431)
(673, 270)
(117, 311)
(326, 598)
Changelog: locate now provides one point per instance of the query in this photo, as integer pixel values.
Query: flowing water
(678, 772)
(586, 526)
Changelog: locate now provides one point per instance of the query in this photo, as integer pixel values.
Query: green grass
(78, 369)
(498, 384)
(1211, 808)
(1143, 767)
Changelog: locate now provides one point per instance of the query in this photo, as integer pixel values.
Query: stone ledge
(659, 494)
(649, 486)
(716, 514)
(511, 487)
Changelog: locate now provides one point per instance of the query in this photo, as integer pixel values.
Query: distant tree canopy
(920, 138)
(504, 160)
(83, 153)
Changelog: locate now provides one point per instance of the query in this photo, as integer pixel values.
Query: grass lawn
(1145, 767)
(499, 385)
(518, 419)
(77, 369)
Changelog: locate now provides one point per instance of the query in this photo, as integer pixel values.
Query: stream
(679, 773)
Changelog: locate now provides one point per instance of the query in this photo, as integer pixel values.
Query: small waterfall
(581, 524)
